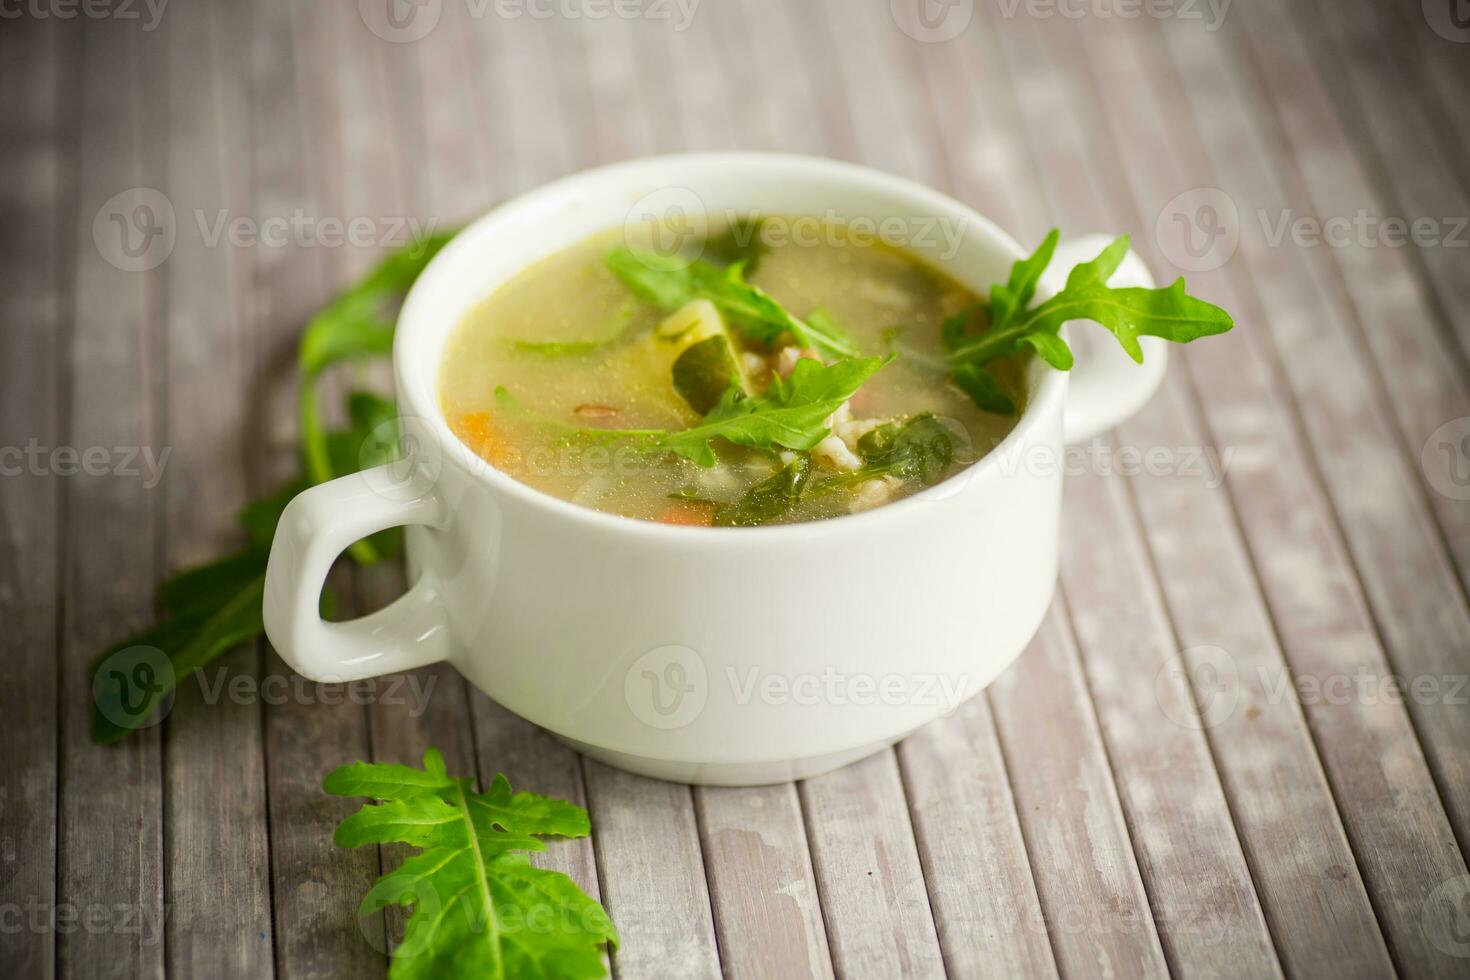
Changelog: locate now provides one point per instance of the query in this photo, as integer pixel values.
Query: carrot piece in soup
(688, 513)
(474, 430)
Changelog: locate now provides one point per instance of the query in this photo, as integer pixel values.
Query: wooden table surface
(1238, 746)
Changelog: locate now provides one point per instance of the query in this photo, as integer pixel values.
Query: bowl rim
(1049, 388)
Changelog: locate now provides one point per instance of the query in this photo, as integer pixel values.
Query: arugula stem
(319, 463)
(482, 877)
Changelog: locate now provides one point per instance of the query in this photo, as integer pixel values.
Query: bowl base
(730, 773)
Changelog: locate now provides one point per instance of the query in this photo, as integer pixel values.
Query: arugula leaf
(768, 499)
(790, 414)
(1127, 313)
(564, 348)
(668, 282)
(1015, 295)
(831, 335)
(984, 389)
(480, 908)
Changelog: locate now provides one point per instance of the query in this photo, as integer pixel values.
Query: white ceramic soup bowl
(709, 655)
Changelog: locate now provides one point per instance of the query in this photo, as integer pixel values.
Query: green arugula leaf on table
(357, 324)
(480, 908)
(1012, 323)
(205, 611)
(668, 282)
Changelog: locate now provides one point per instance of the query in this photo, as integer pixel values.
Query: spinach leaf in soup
(705, 371)
(770, 499)
(921, 448)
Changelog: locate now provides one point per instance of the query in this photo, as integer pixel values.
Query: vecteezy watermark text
(309, 231)
(124, 461)
(406, 21)
(1200, 229)
(137, 229)
(150, 12)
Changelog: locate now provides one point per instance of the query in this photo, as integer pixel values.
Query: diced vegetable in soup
(753, 385)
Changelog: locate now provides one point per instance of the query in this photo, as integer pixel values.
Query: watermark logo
(133, 687)
(667, 687)
(412, 453)
(1446, 917)
(400, 21)
(134, 230)
(932, 21)
(1446, 459)
(1199, 230)
(137, 230)
(1450, 19)
(1211, 673)
(671, 223)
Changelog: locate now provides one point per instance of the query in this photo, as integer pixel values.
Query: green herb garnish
(705, 371)
(357, 324)
(1127, 313)
(668, 282)
(790, 414)
(573, 348)
(480, 908)
(768, 499)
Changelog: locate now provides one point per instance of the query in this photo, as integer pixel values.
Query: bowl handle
(316, 527)
(1107, 386)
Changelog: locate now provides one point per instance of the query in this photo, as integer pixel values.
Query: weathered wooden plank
(1391, 808)
(782, 92)
(648, 861)
(762, 888)
(315, 886)
(986, 910)
(879, 922)
(37, 131)
(1222, 620)
(1431, 38)
(215, 837)
(1070, 814)
(215, 841)
(1198, 884)
(109, 833)
(1395, 135)
(1421, 370)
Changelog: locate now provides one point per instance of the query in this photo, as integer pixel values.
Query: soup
(747, 380)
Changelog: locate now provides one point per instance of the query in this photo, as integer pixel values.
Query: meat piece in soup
(718, 390)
